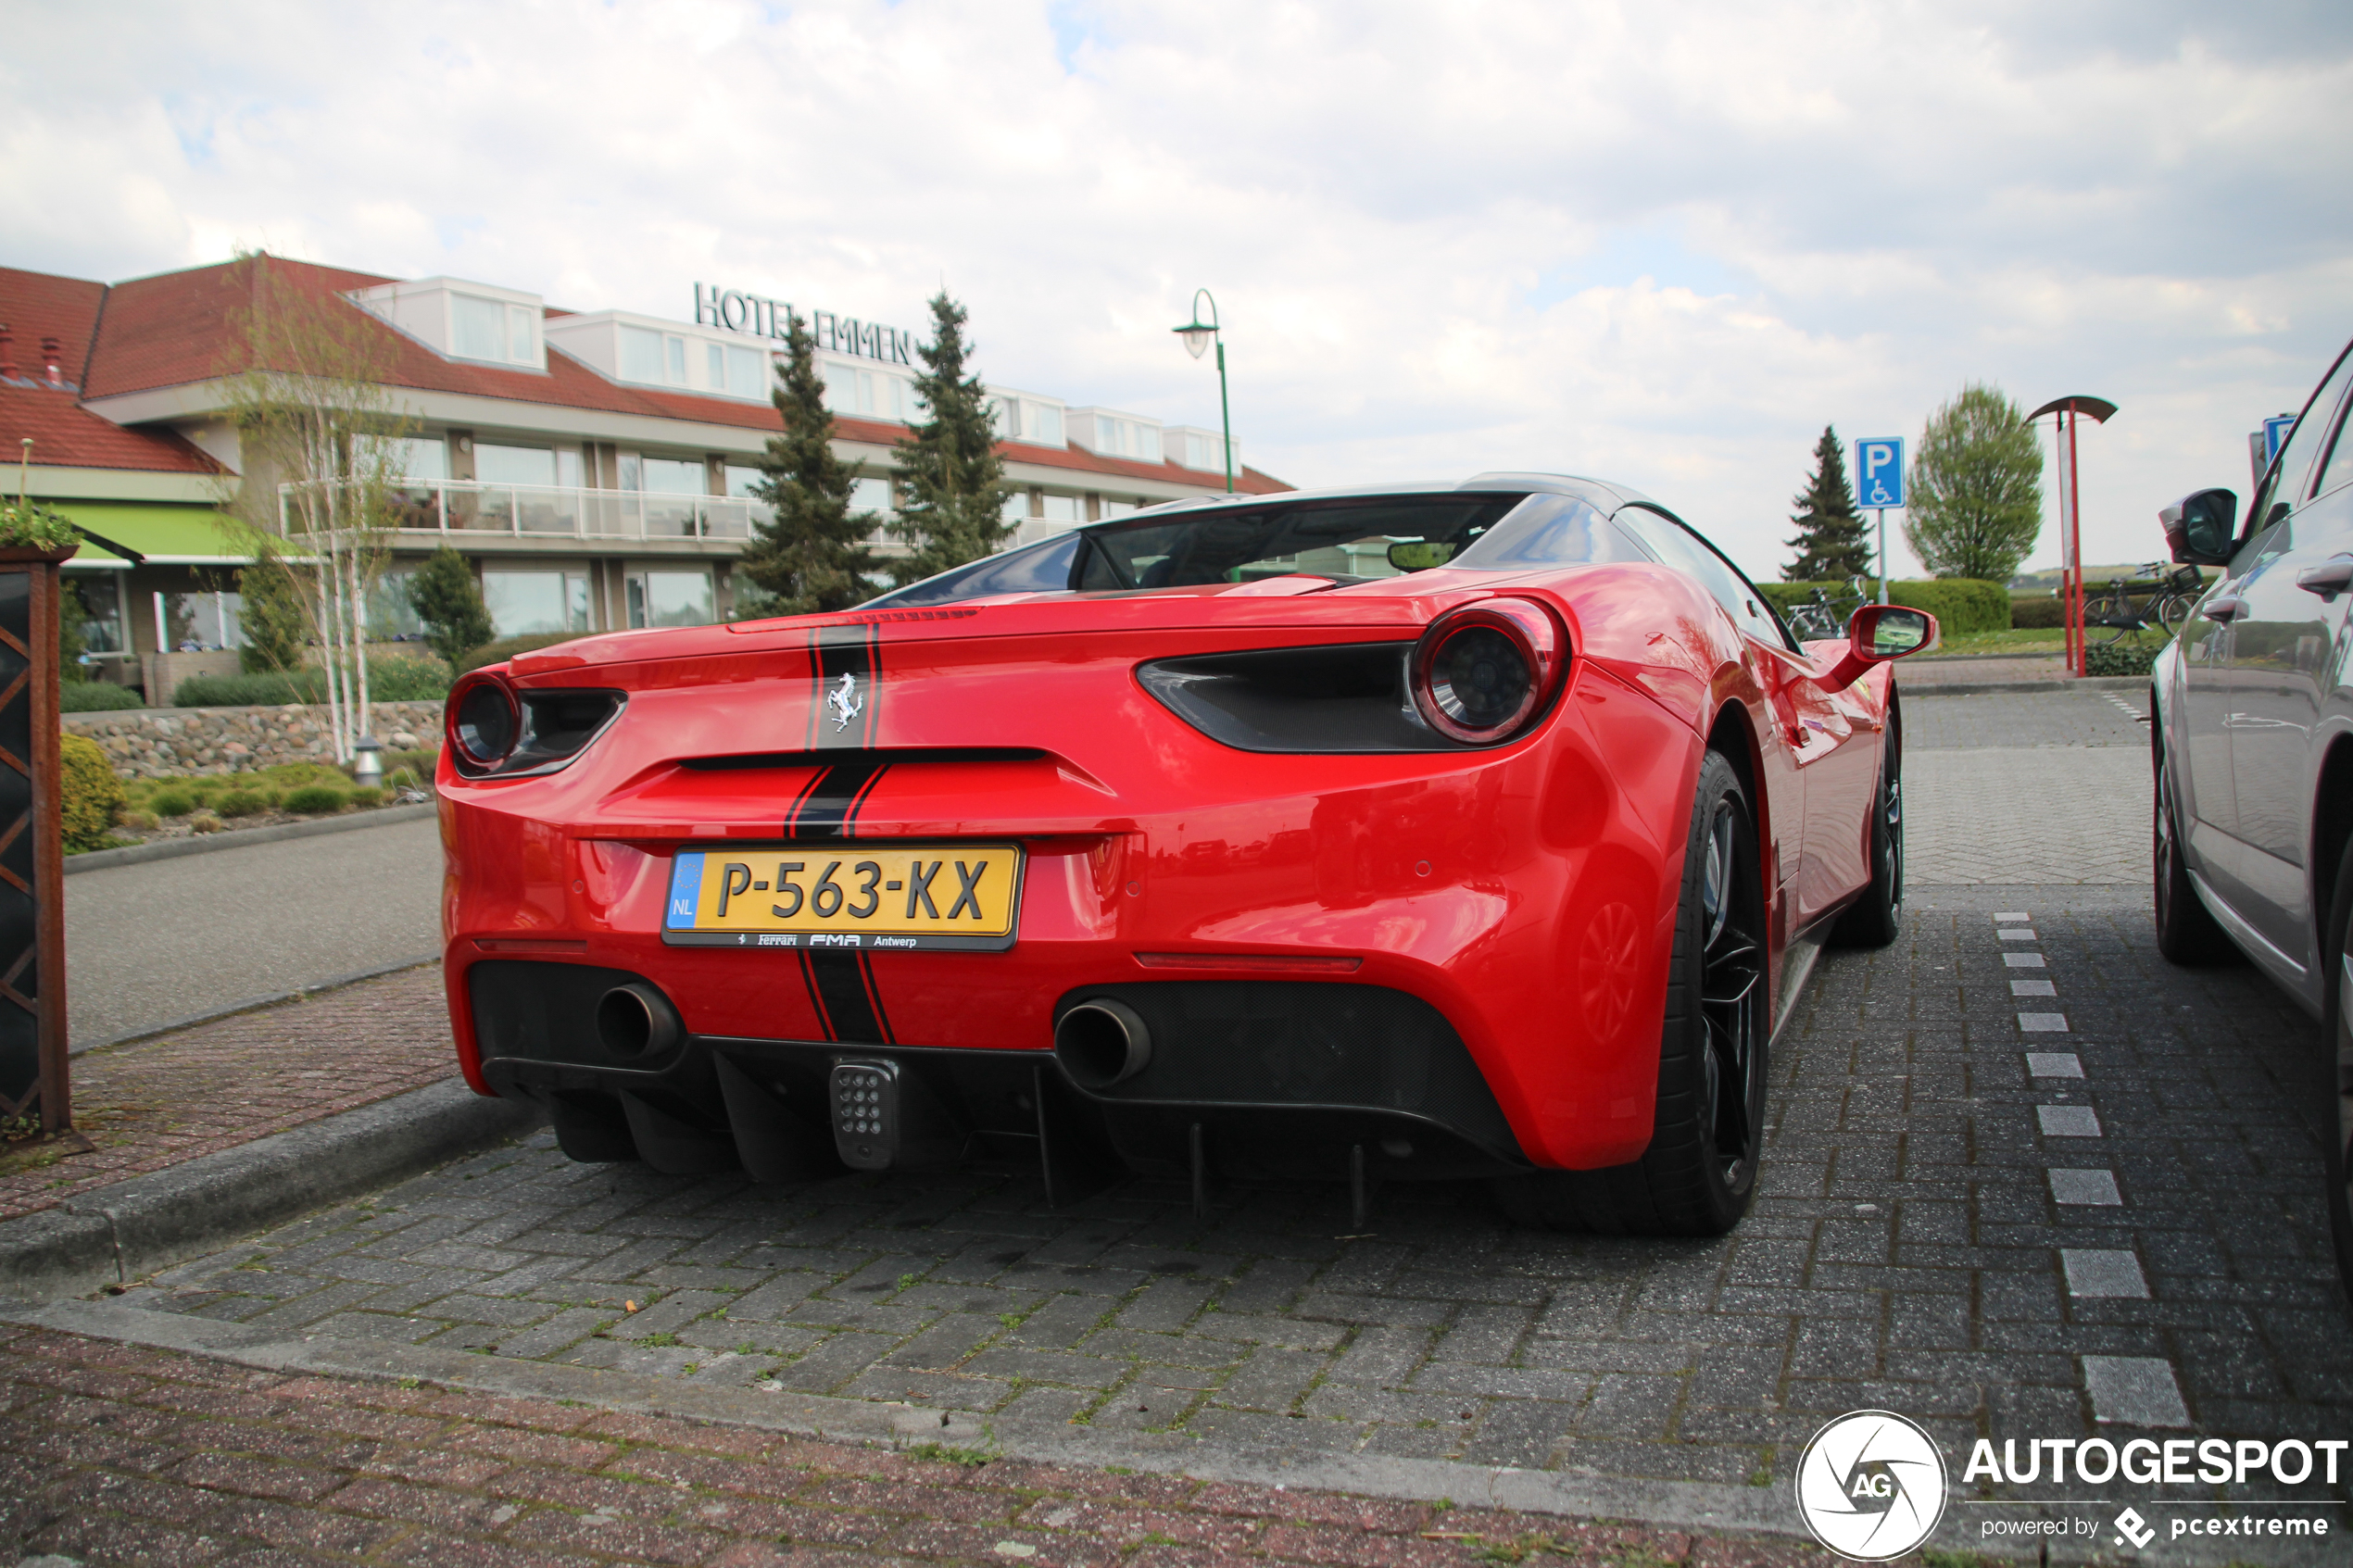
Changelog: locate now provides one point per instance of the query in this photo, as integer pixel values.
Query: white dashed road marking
(2053, 1064)
(2135, 1391)
(2024, 961)
(2069, 1120)
(2043, 1023)
(2032, 988)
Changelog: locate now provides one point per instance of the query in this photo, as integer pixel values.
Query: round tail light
(1482, 673)
(483, 720)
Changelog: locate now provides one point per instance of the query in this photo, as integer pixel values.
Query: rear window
(1550, 531)
(1348, 539)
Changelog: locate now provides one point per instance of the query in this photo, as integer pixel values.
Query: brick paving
(157, 1103)
(1909, 1251)
(116, 1455)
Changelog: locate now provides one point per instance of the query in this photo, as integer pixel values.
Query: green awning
(166, 535)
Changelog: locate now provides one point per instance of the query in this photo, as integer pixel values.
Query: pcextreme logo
(1870, 1486)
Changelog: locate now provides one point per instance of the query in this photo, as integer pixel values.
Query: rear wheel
(1699, 1171)
(2336, 1111)
(2186, 931)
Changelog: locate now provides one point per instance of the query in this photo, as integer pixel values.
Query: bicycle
(1823, 618)
(2169, 596)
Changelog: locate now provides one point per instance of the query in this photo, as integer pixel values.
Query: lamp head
(1197, 337)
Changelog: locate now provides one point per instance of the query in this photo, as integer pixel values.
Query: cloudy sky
(1659, 243)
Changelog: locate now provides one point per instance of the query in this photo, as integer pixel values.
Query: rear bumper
(1249, 1079)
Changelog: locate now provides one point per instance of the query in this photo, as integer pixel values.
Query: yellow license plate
(843, 894)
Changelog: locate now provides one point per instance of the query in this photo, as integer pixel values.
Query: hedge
(506, 648)
(1959, 604)
(2119, 658)
(95, 697)
(92, 794)
(393, 678)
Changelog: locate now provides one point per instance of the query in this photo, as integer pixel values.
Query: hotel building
(595, 468)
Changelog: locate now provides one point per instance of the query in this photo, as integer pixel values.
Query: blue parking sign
(1878, 471)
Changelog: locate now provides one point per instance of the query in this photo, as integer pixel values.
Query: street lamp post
(2068, 411)
(1198, 336)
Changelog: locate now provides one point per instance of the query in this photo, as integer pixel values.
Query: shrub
(205, 822)
(92, 794)
(367, 796)
(2119, 658)
(96, 697)
(1959, 604)
(171, 803)
(418, 763)
(140, 821)
(2038, 611)
(391, 678)
(400, 778)
(506, 648)
(238, 803)
(314, 799)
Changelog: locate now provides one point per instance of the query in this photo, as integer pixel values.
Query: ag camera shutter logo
(1870, 1486)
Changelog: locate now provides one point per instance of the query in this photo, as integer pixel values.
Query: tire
(2336, 1074)
(1699, 1171)
(2187, 933)
(1877, 918)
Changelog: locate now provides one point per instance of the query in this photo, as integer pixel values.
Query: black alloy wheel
(2187, 933)
(2336, 1114)
(1732, 995)
(1875, 919)
(1707, 1135)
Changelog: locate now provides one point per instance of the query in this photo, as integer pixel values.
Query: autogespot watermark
(1872, 1485)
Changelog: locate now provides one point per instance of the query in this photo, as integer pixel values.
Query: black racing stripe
(828, 809)
(841, 987)
(816, 995)
(836, 651)
(874, 996)
(800, 801)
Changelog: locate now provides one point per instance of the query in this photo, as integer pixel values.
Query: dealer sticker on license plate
(845, 895)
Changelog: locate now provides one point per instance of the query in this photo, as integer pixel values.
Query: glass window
(1227, 545)
(676, 363)
(477, 327)
(1035, 569)
(523, 348)
(568, 472)
(390, 618)
(1551, 531)
(870, 496)
(205, 621)
(1118, 509)
(2283, 483)
(714, 367)
(747, 372)
(1681, 546)
(1016, 505)
(513, 465)
(1061, 508)
(1045, 423)
(632, 478)
(671, 476)
(740, 480)
(669, 598)
(524, 604)
(640, 355)
(421, 457)
(841, 387)
(1005, 414)
(905, 407)
(101, 611)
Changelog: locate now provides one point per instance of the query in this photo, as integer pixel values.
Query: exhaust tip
(1101, 1042)
(636, 1019)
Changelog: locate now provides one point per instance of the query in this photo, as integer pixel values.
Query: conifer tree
(812, 557)
(1832, 540)
(950, 479)
(447, 598)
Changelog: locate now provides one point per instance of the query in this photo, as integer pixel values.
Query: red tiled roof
(181, 327)
(38, 305)
(67, 435)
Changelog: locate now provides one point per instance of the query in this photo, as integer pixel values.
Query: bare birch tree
(319, 425)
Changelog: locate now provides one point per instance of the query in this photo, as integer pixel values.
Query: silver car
(2253, 743)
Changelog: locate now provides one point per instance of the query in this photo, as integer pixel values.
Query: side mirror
(1879, 633)
(2198, 527)
(1419, 555)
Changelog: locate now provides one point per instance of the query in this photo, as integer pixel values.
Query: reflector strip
(1273, 963)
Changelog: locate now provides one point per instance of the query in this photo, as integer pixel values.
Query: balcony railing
(449, 505)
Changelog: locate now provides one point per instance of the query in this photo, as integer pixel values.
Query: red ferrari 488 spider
(1476, 832)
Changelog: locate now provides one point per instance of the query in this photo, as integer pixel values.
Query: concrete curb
(1980, 688)
(1689, 1504)
(237, 838)
(116, 1233)
(333, 982)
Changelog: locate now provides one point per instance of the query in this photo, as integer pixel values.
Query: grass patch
(948, 1453)
(313, 799)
